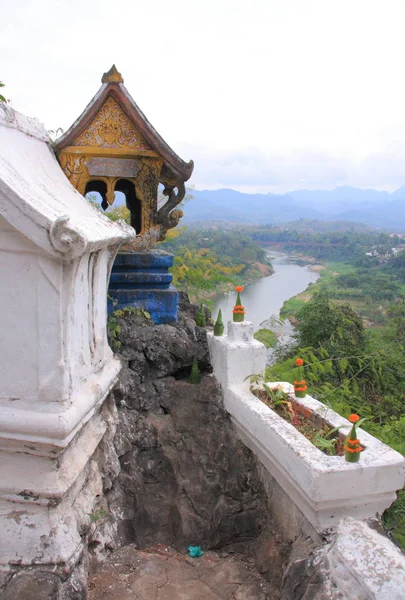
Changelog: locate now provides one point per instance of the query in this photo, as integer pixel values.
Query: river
(264, 298)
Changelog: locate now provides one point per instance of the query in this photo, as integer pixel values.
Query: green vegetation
(266, 337)
(351, 367)
(113, 326)
(97, 515)
(394, 519)
(318, 226)
(332, 246)
(208, 262)
(322, 435)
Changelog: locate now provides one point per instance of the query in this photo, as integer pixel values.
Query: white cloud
(290, 93)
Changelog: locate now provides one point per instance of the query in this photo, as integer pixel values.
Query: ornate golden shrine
(111, 148)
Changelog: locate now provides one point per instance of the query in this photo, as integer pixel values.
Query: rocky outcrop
(184, 478)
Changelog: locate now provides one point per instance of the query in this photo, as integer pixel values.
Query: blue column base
(142, 280)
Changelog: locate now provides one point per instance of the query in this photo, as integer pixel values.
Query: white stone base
(43, 523)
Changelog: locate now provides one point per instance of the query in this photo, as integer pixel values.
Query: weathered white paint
(324, 488)
(237, 355)
(56, 253)
(364, 565)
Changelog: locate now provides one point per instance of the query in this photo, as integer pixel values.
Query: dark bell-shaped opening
(133, 203)
(98, 187)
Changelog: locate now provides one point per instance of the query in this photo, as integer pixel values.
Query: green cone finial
(238, 309)
(352, 445)
(219, 326)
(200, 318)
(195, 375)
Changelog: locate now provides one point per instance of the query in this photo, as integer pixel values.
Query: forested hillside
(335, 245)
(208, 262)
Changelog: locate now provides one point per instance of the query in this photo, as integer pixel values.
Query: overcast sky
(264, 95)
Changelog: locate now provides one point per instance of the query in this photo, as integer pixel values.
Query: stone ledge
(365, 565)
(325, 488)
(23, 429)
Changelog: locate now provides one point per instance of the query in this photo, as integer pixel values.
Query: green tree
(381, 287)
(338, 329)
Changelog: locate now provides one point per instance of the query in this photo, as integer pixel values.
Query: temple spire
(112, 76)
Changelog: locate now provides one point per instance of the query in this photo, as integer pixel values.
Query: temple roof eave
(177, 167)
(38, 200)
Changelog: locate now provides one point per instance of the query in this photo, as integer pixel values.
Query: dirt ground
(160, 573)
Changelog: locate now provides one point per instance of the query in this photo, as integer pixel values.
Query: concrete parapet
(325, 488)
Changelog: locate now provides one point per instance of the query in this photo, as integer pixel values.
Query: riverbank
(210, 297)
(264, 298)
(327, 272)
(208, 263)
(373, 311)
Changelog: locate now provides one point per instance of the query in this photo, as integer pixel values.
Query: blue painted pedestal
(141, 279)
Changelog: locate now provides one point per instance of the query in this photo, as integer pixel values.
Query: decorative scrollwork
(146, 185)
(111, 128)
(75, 168)
(166, 216)
(66, 239)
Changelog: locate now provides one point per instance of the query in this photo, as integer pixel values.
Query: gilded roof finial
(112, 76)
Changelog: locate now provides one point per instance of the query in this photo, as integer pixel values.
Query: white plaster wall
(86, 315)
(34, 193)
(30, 309)
(324, 488)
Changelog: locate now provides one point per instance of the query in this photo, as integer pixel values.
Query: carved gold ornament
(111, 128)
(75, 168)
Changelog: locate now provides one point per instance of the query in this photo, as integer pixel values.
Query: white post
(237, 355)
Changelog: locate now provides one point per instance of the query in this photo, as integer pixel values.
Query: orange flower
(299, 362)
(300, 386)
(354, 418)
(352, 450)
(238, 288)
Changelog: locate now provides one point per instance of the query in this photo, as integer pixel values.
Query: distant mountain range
(382, 210)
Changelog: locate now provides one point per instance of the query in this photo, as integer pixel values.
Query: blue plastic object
(195, 551)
